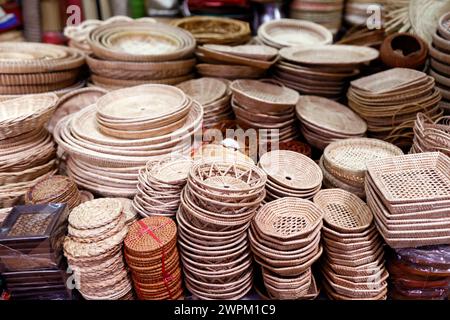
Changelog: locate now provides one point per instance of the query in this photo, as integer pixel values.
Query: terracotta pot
(404, 50)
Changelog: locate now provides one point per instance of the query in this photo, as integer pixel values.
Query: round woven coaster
(101, 236)
(150, 235)
(118, 291)
(53, 187)
(77, 249)
(97, 232)
(94, 260)
(95, 213)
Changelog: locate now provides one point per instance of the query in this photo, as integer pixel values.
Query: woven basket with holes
(351, 243)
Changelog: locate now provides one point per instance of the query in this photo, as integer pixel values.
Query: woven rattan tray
(343, 210)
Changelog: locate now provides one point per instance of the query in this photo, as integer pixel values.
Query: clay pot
(404, 50)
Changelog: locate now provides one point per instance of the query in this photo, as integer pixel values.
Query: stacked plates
(354, 265)
(440, 62)
(160, 186)
(389, 101)
(419, 273)
(29, 68)
(131, 53)
(266, 107)
(290, 174)
(431, 135)
(324, 121)
(344, 162)
(215, 97)
(356, 11)
(74, 101)
(217, 205)
(326, 13)
(409, 196)
(28, 152)
(246, 61)
(216, 30)
(152, 256)
(322, 70)
(93, 249)
(285, 241)
(109, 165)
(56, 189)
(31, 254)
(291, 32)
(144, 112)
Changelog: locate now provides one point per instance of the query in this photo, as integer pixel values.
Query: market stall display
(214, 95)
(285, 240)
(290, 174)
(389, 101)
(108, 165)
(152, 256)
(409, 197)
(353, 267)
(31, 253)
(132, 53)
(28, 151)
(160, 186)
(431, 135)
(324, 121)
(322, 70)
(344, 162)
(93, 248)
(217, 205)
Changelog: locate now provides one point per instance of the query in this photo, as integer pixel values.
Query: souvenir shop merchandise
(285, 241)
(31, 252)
(389, 101)
(151, 253)
(93, 248)
(353, 264)
(343, 162)
(407, 215)
(290, 174)
(160, 186)
(324, 121)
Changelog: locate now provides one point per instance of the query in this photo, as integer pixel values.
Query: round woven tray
(291, 170)
(343, 210)
(216, 30)
(288, 218)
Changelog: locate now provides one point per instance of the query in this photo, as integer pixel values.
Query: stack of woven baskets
(266, 107)
(27, 149)
(440, 60)
(160, 186)
(354, 265)
(131, 53)
(37, 68)
(324, 121)
(215, 97)
(285, 240)
(431, 135)
(326, 13)
(152, 255)
(322, 70)
(240, 62)
(389, 101)
(217, 205)
(409, 197)
(290, 174)
(344, 162)
(216, 30)
(106, 159)
(56, 189)
(93, 249)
